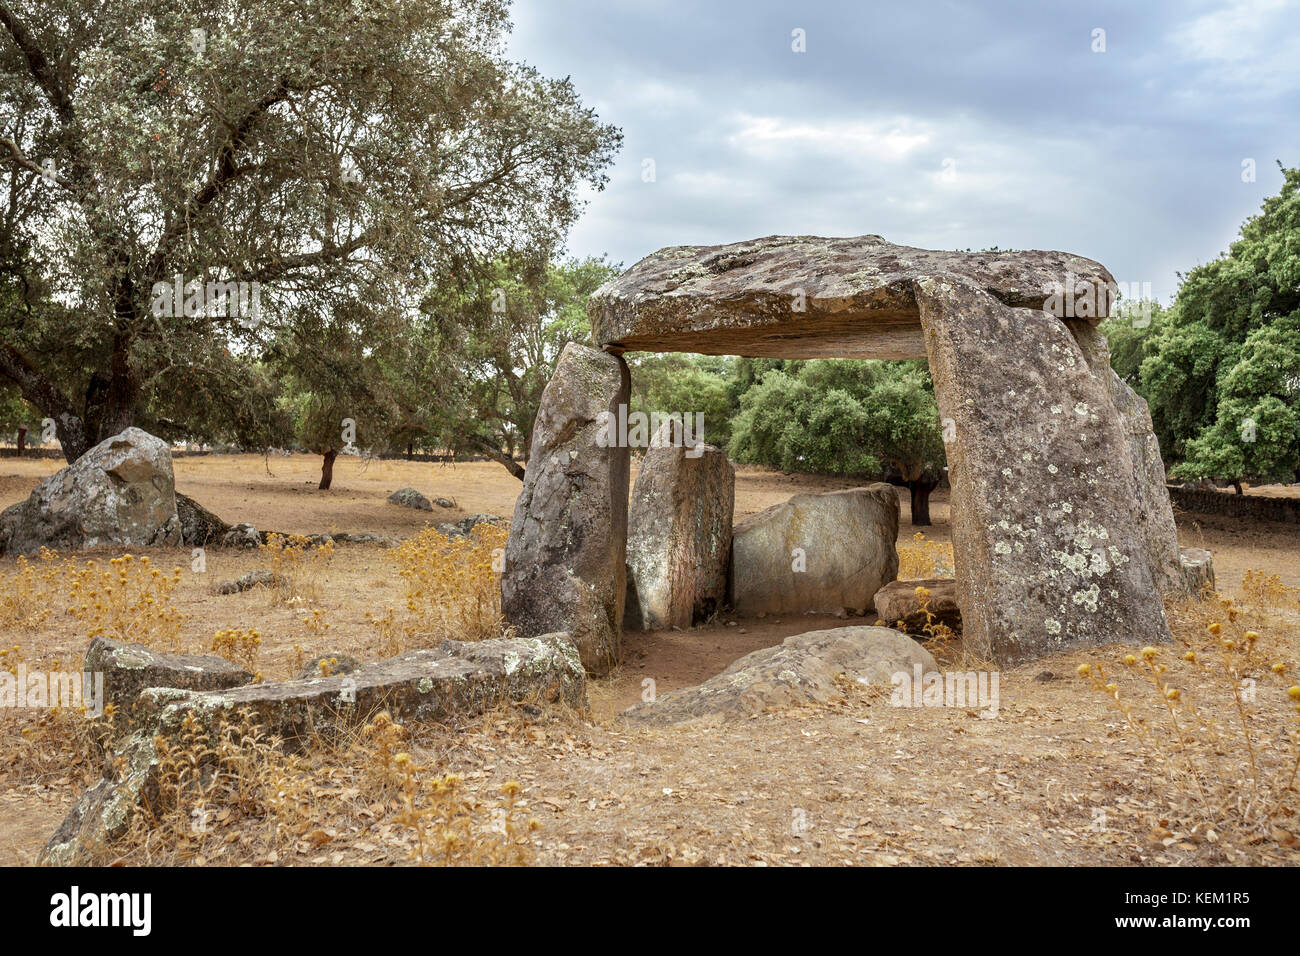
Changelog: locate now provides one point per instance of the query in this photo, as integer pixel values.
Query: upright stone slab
(678, 532)
(564, 562)
(1049, 547)
(1155, 513)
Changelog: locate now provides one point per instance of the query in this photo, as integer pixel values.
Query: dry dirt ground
(1056, 778)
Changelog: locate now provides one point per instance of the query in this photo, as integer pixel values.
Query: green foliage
(1224, 356)
(15, 414)
(1130, 335)
(331, 151)
(1256, 431)
(690, 384)
(841, 417)
(485, 347)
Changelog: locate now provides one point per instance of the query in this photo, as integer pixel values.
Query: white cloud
(885, 140)
(1249, 42)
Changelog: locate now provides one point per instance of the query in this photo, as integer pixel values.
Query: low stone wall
(1234, 505)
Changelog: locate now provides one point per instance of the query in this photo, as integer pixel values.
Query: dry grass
(299, 566)
(452, 590)
(1220, 714)
(230, 794)
(923, 558)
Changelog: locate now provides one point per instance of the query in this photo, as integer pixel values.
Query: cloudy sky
(937, 124)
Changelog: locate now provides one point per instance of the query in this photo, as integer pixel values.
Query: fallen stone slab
(1197, 566)
(452, 682)
(898, 605)
(801, 670)
(410, 498)
(130, 668)
(819, 553)
(120, 493)
(260, 578)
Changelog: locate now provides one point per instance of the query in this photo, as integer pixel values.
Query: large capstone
(564, 561)
(811, 297)
(827, 553)
(120, 493)
(678, 532)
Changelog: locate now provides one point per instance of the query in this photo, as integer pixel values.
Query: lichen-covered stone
(1154, 512)
(678, 532)
(801, 670)
(564, 562)
(130, 668)
(807, 296)
(120, 493)
(410, 498)
(827, 553)
(453, 681)
(1048, 542)
(898, 602)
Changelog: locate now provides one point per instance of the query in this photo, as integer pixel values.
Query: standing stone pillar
(679, 532)
(1155, 514)
(1044, 514)
(564, 562)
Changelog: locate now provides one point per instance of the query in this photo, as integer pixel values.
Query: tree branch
(38, 65)
(224, 172)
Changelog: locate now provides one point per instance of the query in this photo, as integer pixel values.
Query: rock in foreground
(801, 670)
(451, 682)
(129, 669)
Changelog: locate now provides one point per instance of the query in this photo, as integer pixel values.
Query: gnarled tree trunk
(327, 469)
(920, 490)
